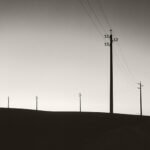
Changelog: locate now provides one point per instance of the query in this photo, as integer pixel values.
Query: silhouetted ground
(31, 130)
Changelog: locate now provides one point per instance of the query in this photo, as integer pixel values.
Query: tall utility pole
(36, 103)
(80, 107)
(140, 88)
(111, 67)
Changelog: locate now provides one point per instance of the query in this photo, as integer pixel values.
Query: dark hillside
(31, 130)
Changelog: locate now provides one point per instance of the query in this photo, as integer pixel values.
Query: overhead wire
(92, 20)
(124, 65)
(97, 18)
(104, 14)
(121, 68)
(121, 63)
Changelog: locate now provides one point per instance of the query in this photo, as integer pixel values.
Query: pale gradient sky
(50, 48)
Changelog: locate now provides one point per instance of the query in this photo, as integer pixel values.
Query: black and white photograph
(74, 74)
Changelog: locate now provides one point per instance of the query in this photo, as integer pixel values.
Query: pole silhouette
(140, 88)
(80, 107)
(36, 103)
(111, 72)
(8, 102)
(111, 68)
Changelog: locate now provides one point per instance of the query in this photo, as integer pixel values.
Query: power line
(120, 62)
(86, 11)
(126, 64)
(97, 18)
(123, 69)
(104, 14)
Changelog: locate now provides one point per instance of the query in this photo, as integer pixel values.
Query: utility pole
(111, 67)
(36, 103)
(8, 101)
(80, 108)
(140, 88)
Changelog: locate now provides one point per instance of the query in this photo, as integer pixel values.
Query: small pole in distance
(140, 88)
(80, 107)
(36, 103)
(8, 102)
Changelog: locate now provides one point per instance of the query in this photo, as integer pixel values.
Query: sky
(55, 49)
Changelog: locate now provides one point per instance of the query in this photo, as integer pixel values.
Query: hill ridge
(29, 129)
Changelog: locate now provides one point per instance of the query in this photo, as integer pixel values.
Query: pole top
(111, 31)
(80, 94)
(140, 84)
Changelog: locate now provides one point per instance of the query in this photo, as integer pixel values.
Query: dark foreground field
(31, 130)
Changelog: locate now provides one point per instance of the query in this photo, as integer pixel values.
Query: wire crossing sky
(55, 49)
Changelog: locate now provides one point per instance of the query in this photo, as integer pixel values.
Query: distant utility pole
(36, 103)
(111, 67)
(8, 102)
(140, 88)
(80, 107)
